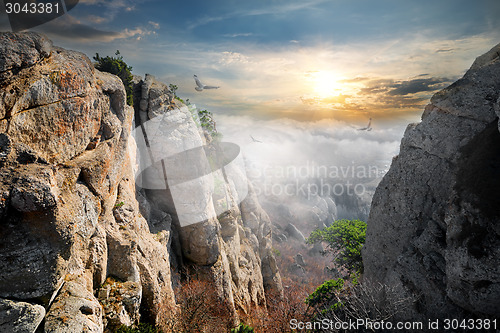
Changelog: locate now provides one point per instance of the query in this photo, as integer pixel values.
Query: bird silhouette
(368, 127)
(200, 86)
(255, 140)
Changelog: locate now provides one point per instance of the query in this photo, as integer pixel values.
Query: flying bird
(368, 127)
(255, 140)
(200, 86)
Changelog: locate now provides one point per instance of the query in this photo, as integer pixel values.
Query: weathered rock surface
(231, 250)
(78, 236)
(433, 226)
(295, 233)
(75, 309)
(20, 317)
(68, 209)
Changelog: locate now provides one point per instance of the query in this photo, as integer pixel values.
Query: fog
(292, 163)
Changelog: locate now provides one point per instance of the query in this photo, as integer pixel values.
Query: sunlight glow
(326, 84)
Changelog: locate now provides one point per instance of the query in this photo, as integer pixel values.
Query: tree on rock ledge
(344, 239)
(118, 67)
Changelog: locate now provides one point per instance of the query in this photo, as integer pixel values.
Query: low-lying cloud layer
(288, 143)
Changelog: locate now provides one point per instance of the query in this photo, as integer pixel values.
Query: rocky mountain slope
(81, 247)
(433, 228)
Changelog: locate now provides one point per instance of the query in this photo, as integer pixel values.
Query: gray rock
(299, 259)
(200, 242)
(20, 317)
(121, 302)
(75, 309)
(295, 233)
(5, 146)
(433, 227)
(297, 270)
(22, 49)
(34, 193)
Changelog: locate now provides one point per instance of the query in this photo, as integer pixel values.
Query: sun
(326, 84)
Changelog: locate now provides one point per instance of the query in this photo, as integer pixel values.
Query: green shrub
(324, 293)
(242, 328)
(344, 239)
(120, 204)
(118, 67)
(205, 119)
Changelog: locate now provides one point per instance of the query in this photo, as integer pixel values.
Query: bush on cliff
(118, 67)
(344, 239)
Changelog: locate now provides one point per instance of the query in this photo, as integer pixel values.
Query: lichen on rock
(82, 245)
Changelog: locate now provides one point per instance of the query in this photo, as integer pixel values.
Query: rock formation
(81, 247)
(433, 229)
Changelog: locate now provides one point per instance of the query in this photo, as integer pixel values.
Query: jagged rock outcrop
(231, 244)
(433, 228)
(68, 210)
(81, 246)
(295, 233)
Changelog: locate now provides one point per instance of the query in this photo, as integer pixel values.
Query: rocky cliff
(82, 247)
(433, 228)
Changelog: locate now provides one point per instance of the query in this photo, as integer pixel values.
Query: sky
(299, 75)
(304, 60)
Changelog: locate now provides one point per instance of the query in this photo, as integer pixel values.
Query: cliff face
(81, 247)
(232, 247)
(434, 225)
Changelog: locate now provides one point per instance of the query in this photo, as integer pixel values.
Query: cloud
(95, 19)
(69, 28)
(339, 99)
(245, 34)
(289, 144)
(109, 9)
(113, 4)
(155, 25)
(280, 9)
(444, 50)
(374, 78)
(418, 85)
(394, 87)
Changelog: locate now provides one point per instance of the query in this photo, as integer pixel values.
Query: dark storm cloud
(68, 27)
(400, 102)
(377, 86)
(394, 88)
(77, 31)
(418, 85)
(444, 50)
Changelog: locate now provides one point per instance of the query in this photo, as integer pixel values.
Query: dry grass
(199, 310)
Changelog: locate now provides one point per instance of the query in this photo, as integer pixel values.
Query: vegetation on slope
(117, 66)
